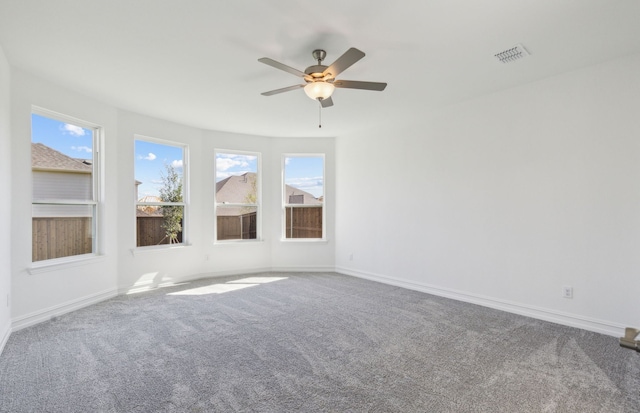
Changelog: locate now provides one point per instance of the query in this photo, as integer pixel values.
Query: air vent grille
(510, 55)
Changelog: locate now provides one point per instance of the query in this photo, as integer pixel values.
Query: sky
(228, 164)
(71, 140)
(151, 160)
(305, 173)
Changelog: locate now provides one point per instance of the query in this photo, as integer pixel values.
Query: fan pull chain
(319, 114)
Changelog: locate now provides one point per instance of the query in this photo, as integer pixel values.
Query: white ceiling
(195, 61)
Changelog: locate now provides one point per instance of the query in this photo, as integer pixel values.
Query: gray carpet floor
(309, 343)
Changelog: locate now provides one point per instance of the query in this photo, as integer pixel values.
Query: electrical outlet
(206, 257)
(567, 291)
(351, 256)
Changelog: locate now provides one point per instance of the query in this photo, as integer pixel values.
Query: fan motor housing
(315, 71)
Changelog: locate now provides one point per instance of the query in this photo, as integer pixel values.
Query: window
(303, 196)
(161, 189)
(64, 210)
(237, 196)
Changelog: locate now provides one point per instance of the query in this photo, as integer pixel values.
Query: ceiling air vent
(516, 52)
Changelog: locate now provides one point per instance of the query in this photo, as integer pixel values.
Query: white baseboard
(571, 320)
(54, 311)
(4, 337)
(317, 268)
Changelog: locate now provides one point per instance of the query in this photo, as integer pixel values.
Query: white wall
(36, 296)
(5, 207)
(505, 199)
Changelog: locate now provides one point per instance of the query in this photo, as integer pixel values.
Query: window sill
(64, 263)
(305, 240)
(157, 248)
(239, 242)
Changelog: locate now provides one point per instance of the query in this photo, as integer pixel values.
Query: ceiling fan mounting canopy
(319, 55)
(320, 79)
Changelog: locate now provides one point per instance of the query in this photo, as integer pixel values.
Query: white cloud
(149, 157)
(73, 129)
(177, 163)
(306, 182)
(82, 149)
(223, 164)
(226, 161)
(246, 158)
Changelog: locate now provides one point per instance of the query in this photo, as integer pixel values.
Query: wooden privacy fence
(237, 226)
(60, 237)
(149, 231)
(304, 222)
(57, 237)
(67, 236)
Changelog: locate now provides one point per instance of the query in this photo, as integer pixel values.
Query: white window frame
(185, 194)
(257, 205)
(97, 178)
(286, 205)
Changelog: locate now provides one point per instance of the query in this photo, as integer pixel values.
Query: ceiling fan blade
(354, 84)
(284, 89)
(325, 103)
(281, 66)
(344, 62)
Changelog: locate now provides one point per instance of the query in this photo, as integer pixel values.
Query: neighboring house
(241, 189)
(58, 176)
(236, 189)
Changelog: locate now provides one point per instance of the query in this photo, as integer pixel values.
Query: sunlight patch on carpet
(228, 286)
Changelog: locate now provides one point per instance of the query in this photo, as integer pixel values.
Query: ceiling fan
(320, 80)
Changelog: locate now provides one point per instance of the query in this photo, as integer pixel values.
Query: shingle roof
(44, 157)
(236, 189)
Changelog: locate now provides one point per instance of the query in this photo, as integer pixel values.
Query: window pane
(236, 178)
(159, 177)
(61, 231)
(236, 196)
(236, 222)
(61, 160)
(157, 225)
(303, 196)
(61, 170)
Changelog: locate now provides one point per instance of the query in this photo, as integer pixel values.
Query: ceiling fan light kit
(319, 90)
